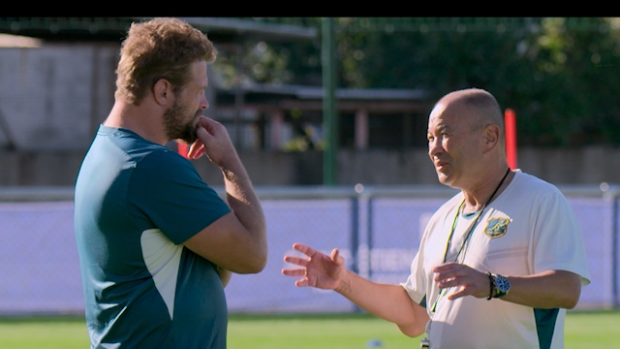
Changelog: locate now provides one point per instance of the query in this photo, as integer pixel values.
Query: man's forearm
(387, 301)
(552, 289)
(244, 203)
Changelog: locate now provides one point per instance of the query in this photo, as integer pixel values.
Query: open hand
(318, 270)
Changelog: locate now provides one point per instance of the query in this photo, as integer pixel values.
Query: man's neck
(139, 119)
(480, 194)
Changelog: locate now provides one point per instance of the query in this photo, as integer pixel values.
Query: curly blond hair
(161, 48)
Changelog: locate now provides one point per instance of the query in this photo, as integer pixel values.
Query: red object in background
(182, 148)
(510, 124)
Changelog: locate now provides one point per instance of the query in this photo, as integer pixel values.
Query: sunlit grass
(591, 330)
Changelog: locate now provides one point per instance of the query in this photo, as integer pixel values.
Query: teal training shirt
(136, 202)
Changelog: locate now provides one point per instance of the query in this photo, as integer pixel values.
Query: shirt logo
(496, 227)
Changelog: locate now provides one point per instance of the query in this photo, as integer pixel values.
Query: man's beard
(174, 126)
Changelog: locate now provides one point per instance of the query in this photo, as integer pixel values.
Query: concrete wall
(591, 165)
(588, 165)
(53, 97)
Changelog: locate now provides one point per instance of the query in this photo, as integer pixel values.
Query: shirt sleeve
(419, 284)
(415, 284)
(558, 241)
(167, 189)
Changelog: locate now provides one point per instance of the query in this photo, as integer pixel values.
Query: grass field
(591, 330)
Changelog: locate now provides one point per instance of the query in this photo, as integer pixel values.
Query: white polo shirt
(528, 229)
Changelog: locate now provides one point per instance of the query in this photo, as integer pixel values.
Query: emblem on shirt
(496, 227)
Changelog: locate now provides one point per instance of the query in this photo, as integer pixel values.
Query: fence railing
(377, 229)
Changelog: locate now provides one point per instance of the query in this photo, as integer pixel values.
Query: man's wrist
(344, 286)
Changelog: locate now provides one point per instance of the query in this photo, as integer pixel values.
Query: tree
(559, 77)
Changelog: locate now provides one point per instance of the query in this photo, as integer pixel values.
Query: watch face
(502, 283)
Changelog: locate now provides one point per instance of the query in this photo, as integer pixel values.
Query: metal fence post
(369, 237)
(615, 249)
(355, 233)
(330, 117)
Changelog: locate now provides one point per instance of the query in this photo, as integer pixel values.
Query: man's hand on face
(213, 141)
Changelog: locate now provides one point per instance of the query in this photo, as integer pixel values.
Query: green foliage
(560, 76)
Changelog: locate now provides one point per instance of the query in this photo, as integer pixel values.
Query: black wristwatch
(501, 285)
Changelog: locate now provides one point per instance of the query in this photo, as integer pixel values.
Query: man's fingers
(203, 120)
(202, 133)
(458, 294)
(335, 257)
(208, 123)
(296, 260)
(446, 267)
(450, 271)
(305, 249)
(446, 275)
(445, 283)
(300, 272)
(302, 283)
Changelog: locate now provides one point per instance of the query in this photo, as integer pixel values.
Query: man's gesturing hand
(318, 270)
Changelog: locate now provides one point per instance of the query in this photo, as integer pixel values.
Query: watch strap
(492, 287)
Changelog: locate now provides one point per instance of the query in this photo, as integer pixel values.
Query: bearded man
(157, 245)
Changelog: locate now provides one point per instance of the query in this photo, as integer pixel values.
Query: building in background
(57, 77)
(57, 84)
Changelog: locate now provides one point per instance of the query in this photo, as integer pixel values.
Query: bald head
(466, 138)
(483, 107)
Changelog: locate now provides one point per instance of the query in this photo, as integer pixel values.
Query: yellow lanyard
(469, 231)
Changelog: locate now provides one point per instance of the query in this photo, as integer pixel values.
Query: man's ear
(491, 137)
(162, 92)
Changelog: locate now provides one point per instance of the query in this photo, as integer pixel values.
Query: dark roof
(316, 92)
(252, 29)
(310, 98)
(453, 24)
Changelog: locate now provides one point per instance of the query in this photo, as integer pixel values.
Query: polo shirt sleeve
(558, 241)
(167, 189)
(415, 286)
(417, 282)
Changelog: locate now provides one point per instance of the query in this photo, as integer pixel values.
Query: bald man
(498, 264)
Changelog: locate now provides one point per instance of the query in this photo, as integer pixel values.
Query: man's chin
(189, 139)
(189, 135)
(443, 178)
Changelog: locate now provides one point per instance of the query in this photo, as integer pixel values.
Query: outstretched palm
(318, 270)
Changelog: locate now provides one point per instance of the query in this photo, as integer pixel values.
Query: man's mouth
(440, 164)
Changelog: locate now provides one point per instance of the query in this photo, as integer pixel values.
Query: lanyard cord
(471, 227)
(469, 233)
